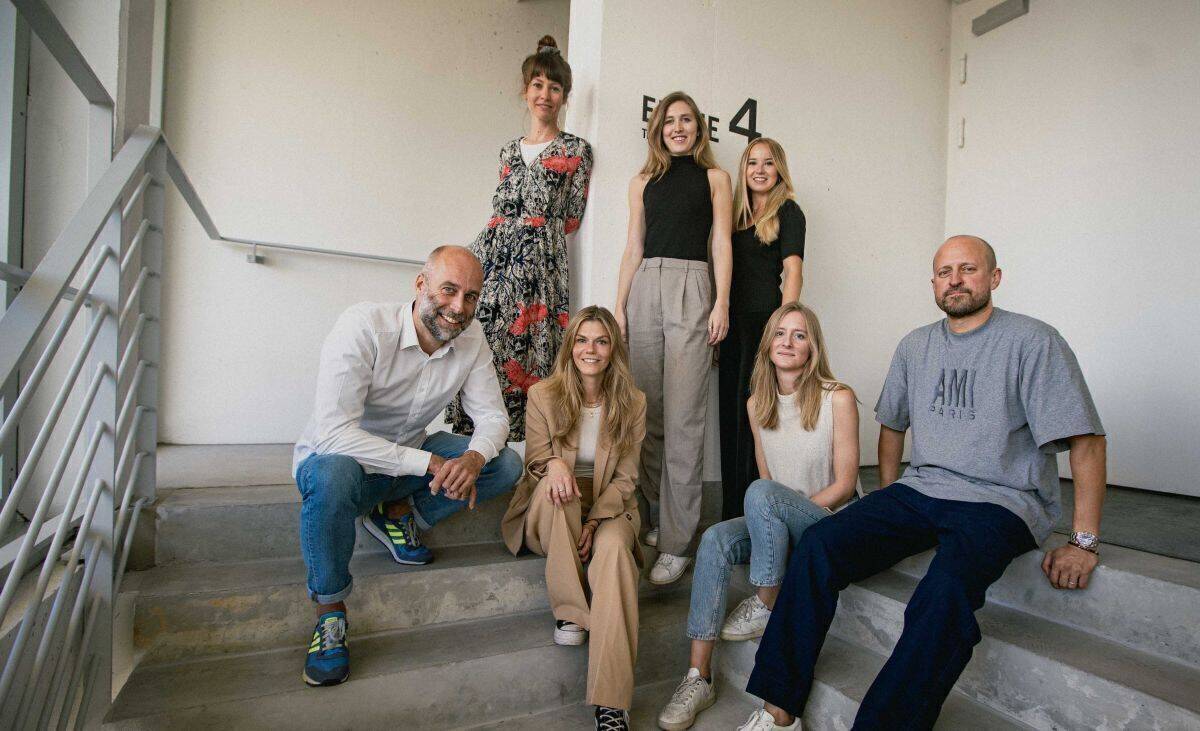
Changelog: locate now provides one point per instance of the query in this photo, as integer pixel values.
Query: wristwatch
(1086, 541)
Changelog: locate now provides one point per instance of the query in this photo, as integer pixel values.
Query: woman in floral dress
(540, 199)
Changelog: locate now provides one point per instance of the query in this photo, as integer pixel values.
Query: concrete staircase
(221, 624)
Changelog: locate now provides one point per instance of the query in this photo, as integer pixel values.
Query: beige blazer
(612, 486)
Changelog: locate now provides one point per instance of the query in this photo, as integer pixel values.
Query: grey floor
(1155, 522)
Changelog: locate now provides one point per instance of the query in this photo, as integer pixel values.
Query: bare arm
(793, 278)
(759, 457)
(845, 451)
(635, 240)
(1070, 567)
(891, 450)
(722, 253)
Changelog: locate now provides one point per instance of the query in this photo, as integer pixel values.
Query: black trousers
(735, 364)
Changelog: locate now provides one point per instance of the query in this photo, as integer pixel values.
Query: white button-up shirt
(377, 391)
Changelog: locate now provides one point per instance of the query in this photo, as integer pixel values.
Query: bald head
(448, 291)
(964, 275)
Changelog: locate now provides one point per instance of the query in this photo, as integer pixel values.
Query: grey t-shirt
(989, 409)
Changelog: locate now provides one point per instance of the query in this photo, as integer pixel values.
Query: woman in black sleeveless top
(667, 309)
(768, 246)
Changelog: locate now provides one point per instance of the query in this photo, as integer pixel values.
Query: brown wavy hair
(565, 385)
(766, 228)
(814, 380)
(547, 61)
(658, 159)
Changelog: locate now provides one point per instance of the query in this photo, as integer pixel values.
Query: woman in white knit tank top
(805, 425)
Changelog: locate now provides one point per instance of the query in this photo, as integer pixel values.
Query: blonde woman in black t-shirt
(768, 245)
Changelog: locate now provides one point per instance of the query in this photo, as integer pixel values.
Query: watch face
(1086, 540)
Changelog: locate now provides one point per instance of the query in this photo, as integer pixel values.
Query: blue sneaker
(328, 661)
(398, 536)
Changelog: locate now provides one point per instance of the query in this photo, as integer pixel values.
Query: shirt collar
(408, 333)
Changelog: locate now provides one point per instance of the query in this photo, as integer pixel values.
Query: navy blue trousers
(975, 542)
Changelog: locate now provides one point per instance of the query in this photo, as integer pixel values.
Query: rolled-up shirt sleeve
(482, 401)
(343, 379)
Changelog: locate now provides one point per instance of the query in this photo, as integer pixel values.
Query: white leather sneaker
(652, 537)
(692, 696)
(569, 634)
(668, 568)
(747, 621)
(760, 720)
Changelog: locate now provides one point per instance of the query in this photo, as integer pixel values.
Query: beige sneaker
(667, 569)
(692, 696)
(748, 621)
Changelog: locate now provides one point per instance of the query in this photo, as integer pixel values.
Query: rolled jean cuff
(416, 514)
(333, 598)
(766, 583)
(693, 636)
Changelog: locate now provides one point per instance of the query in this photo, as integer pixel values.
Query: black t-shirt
(757, 268)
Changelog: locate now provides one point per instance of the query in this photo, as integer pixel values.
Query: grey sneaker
(746, 622)
(668, 568)
(692, 696)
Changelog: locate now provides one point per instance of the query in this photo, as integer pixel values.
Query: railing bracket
(254, 257)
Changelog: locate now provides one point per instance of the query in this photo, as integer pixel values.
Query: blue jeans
(336, 490)
(975, 542)
(775, 517)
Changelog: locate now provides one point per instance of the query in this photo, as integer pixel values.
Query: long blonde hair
(566, 385)
(658, 159)
(814, 380)
(766, 227)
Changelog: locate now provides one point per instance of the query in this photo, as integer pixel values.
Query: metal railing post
(105, 356)
(153, 209)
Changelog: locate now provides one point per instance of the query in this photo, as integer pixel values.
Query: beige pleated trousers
(612, 580)
(667, 316)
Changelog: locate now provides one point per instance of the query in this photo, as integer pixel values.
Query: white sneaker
(569, 634)
(760, 720)
(747, 621)
(652, 537)
(692, 696)
(668, 568)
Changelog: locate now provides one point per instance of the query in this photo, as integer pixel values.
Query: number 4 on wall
(735, 125)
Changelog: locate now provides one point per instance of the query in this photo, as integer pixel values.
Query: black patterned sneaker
(611, 719)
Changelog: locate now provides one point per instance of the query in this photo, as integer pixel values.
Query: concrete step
(242, 523)
(433, 677)
(844, 673)
(1035, 670)
(1135, 598)
(731, 710)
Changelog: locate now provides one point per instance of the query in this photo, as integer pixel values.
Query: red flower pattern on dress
(563, 319)
(518, 377)
(571, 226)
(527, 316)
(504, 171)
(535, 221)
(495, 221)
(562, 163)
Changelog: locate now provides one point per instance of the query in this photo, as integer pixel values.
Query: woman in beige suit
(576, 505)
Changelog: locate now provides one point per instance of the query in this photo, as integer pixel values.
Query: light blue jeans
(776, 516)
(336, 490)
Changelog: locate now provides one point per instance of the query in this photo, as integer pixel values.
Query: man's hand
(456, 476)
(1069, 567)
(561, 487)
(585, 540)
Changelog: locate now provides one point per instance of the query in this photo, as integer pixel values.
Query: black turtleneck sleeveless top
(679, 212)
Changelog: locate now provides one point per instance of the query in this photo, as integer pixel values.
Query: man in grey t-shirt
(990, 396)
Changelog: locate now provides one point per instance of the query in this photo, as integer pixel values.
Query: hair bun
(547, 44)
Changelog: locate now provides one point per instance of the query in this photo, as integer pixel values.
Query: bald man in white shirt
(387, 371)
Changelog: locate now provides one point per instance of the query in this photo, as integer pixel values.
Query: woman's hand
(561, 485)
(718, 323)
(619, 314)
(585, 539)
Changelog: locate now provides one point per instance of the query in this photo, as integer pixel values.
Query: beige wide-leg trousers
(667, 317)
(612, 578)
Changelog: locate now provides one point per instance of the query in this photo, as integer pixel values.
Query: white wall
(1080, 166)
(368, 126)
(856, 93)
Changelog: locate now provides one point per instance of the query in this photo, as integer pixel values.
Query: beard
(441, 331)
(963, 306)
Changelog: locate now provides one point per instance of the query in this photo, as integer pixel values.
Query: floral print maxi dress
(524, 304)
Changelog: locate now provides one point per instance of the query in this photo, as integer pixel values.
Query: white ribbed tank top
(802, 460)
